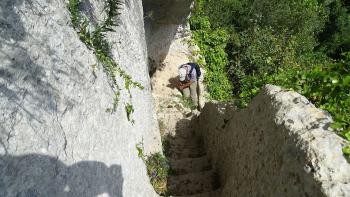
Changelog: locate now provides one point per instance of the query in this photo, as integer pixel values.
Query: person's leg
(186, 92)
(194, 95)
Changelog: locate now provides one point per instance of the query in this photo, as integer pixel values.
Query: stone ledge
(281, 145)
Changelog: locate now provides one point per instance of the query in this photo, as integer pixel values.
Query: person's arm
(185, 85)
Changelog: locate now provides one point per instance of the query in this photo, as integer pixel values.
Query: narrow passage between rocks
(192, 173)
(191, 170)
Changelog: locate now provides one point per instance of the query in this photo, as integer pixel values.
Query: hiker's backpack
(195, 66)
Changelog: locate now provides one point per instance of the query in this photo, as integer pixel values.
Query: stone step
(190, 165)
(179, 142)
(194, 183)
(205, 194)
(184, 133)
(181, 153)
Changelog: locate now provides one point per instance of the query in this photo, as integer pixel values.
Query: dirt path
(193, 175)
(168, 106)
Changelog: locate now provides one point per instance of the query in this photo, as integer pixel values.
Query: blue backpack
(195, 66)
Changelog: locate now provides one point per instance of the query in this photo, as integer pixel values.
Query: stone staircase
(192, 174)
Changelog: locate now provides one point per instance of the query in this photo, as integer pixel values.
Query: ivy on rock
(96, 40)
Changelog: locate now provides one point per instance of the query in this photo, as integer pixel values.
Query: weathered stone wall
(281, 145)
(56, 138)
(166, 23)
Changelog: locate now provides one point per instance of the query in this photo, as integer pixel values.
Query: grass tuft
(187, 102)
(158, 169)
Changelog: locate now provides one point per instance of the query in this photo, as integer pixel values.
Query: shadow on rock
(173, 83)
(39, 175)
(191, 170)
(33, 72)
(164, 21)
(11, 26)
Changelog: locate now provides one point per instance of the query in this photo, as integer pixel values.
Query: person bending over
(188, 81)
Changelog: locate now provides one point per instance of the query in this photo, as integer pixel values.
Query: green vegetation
(186, 102)
(346, 151)
(303, 45)
(96, 40)
(212, 43)
(335, 38)
(158, 169)
(129, 111)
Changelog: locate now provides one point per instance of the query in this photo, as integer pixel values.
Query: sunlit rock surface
(56, 138)
(281, 145)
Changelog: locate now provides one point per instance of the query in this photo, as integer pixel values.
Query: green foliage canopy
(302, 45)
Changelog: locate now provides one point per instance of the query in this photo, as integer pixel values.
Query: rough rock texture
(281, 145)
(166, 28)
(191, 170)
(167, 35)
(56, 138)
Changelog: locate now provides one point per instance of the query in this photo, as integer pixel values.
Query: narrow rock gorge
(281, 145)
(59, 136)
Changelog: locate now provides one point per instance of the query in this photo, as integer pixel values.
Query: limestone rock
(281, 145)
(56, 138)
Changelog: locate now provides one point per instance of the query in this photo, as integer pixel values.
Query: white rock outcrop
(56, 138)
(281, 145)
(167, 29)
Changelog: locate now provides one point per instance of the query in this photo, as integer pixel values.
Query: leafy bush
(212, 44)
(247, 44)
(327, 86)
(335, 38)
(243, 38)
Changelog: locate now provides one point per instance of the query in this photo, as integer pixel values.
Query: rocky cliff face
(56, 138)
(167, 28)
(281, 145)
